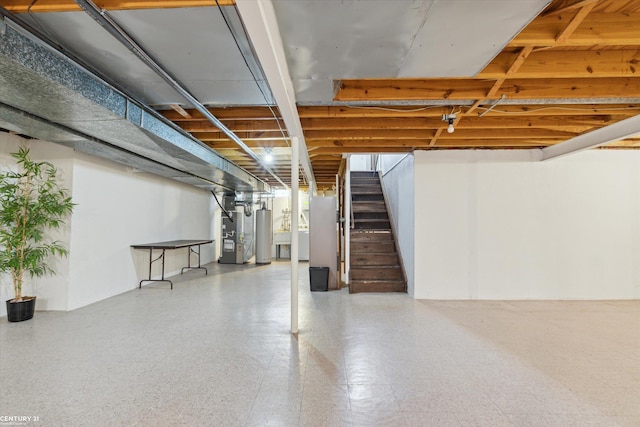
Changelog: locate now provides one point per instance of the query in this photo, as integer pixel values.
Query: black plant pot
(19, 311)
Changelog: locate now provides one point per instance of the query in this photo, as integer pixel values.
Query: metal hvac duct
(102, 18)
(45, 95)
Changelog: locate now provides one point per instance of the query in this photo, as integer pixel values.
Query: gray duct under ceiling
(47, 96)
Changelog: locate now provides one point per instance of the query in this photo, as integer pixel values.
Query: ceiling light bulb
(268, 158)
(450, 128)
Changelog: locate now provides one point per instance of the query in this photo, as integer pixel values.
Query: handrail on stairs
(352, 224)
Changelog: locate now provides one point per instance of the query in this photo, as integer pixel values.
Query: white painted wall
(386, 162)
(278, 204)
(398, 184)
(501, 225)
(361, 162)
(116, 208)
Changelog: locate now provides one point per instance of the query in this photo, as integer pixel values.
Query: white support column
(295, 215)
(347, 219)
(260, 21)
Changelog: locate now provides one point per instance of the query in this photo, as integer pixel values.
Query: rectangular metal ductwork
(47, 96)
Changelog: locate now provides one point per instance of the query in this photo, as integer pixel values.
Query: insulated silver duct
(46, 95)
(112, 27)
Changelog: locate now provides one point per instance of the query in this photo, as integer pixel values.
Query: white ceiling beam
(615, 132)
(260, 22)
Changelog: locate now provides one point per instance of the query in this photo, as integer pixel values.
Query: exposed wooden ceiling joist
(568, 64)
(204, 125)
(571, 6)
(597, 29)
(574, 23)
(342, 112)
(465, 89)
(231, 113)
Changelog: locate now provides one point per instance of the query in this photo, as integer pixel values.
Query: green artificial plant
(31, 203)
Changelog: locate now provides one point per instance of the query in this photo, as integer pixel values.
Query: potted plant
(32, 203)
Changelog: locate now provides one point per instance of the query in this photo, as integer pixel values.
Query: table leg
(151, 261)
(206, 272)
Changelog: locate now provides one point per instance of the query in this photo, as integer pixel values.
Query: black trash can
(319, 278)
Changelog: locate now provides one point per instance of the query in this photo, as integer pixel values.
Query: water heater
(264, 236)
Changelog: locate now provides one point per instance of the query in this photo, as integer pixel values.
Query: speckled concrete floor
(216, 351)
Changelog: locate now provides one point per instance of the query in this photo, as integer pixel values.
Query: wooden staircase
(375, 263)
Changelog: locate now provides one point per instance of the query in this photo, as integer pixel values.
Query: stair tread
(357, 234)
(371, 267)
(363, 213)
(373, 281)
(377, 286)
(357, 238)
(363, 240)
(374, 250)
(371, 252)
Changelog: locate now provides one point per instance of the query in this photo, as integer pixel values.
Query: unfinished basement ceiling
(374, 76)
(193, 44)
(331, 40)
(47, 96)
